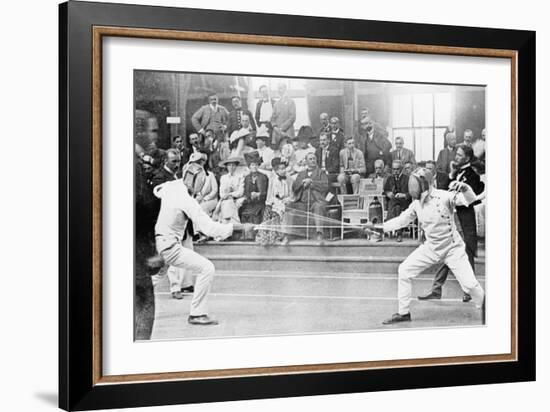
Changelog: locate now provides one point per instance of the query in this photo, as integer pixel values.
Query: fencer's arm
(202, 222)
(404, 219)
(464, 195)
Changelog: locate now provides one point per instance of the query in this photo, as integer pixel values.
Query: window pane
(442, 109)
(424, 144)
(439, 140)
(401, 110)
(423, 110)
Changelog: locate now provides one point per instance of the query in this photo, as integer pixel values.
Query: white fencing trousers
(177, 277)
(194, 264)
(422, 258)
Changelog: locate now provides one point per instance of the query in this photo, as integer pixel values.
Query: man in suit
(264, 109)
(402, 153)
(447, 154)
(461, 171)
(396, 189)
(234, 121)
(310, 189)
(325, 123)
(328, 158)
(194, 146)
(374, 140)
(284, 116)
(468, 137)
(441, 180)
(211, 116)
(336, 134)
(352, 166)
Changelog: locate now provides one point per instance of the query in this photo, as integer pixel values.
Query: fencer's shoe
(396, 318)
(430, 296)
(188, 289)
(466, 298)
(202, 320)
(177, 295)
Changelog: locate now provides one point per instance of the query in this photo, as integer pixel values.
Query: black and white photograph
(271, 206)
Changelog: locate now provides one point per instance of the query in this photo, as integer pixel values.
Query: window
(421, 119)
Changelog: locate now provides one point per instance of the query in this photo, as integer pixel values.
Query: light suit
(435, 212)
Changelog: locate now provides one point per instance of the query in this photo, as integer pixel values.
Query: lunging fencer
(177, 209)
(435, 211)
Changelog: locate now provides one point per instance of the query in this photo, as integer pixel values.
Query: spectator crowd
(255, 167)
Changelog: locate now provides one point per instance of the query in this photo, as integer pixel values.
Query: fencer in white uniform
(435, 211)
(177, 208)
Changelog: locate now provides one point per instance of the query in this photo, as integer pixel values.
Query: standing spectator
(310, 190)
(325, 123)
(352, 166)
(234, 121)
(264, 109)
(328, 158)
(461, 171)
(374, 140)
(211, 116)
(231, 192)
(402, 153)
(170, 169)
(279, 194)
(336, 135)
(468, 137)
(396, 189)
(447, 155)
(255, 191)
(284, 116)
(265, 152)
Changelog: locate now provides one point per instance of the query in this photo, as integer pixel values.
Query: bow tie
(281, 178)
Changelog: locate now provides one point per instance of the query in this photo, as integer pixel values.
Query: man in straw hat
(435, 211)
(175, 246)
(231, 191)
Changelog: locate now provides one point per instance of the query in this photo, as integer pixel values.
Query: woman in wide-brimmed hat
(255, 191)
(265, 152)
(279, 193)
(231, 191)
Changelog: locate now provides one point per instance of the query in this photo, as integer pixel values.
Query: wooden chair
(353, 211)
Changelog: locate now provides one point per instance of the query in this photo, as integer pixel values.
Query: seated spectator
(402, 153)
(302, 149)
(193, 173)
(240, 141)
(255, 191)
(396, 189)
(279, 194)
(328, 158)
(352, 166)
(220, 153)
(231, 192)
(379, 170)
(441, 180)
(208, 195)
(407, 168)
(234, 121)
(194, 146)
(310, 191)
(266, 153)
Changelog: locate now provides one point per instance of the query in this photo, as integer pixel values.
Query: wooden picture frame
(82, 385)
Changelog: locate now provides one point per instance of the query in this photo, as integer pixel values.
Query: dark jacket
(318, 187)
(377, 147)
(444, 159)
(332, 162)
(234, 120)
(337, 139)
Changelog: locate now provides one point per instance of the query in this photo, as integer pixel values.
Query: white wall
(28, 358)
